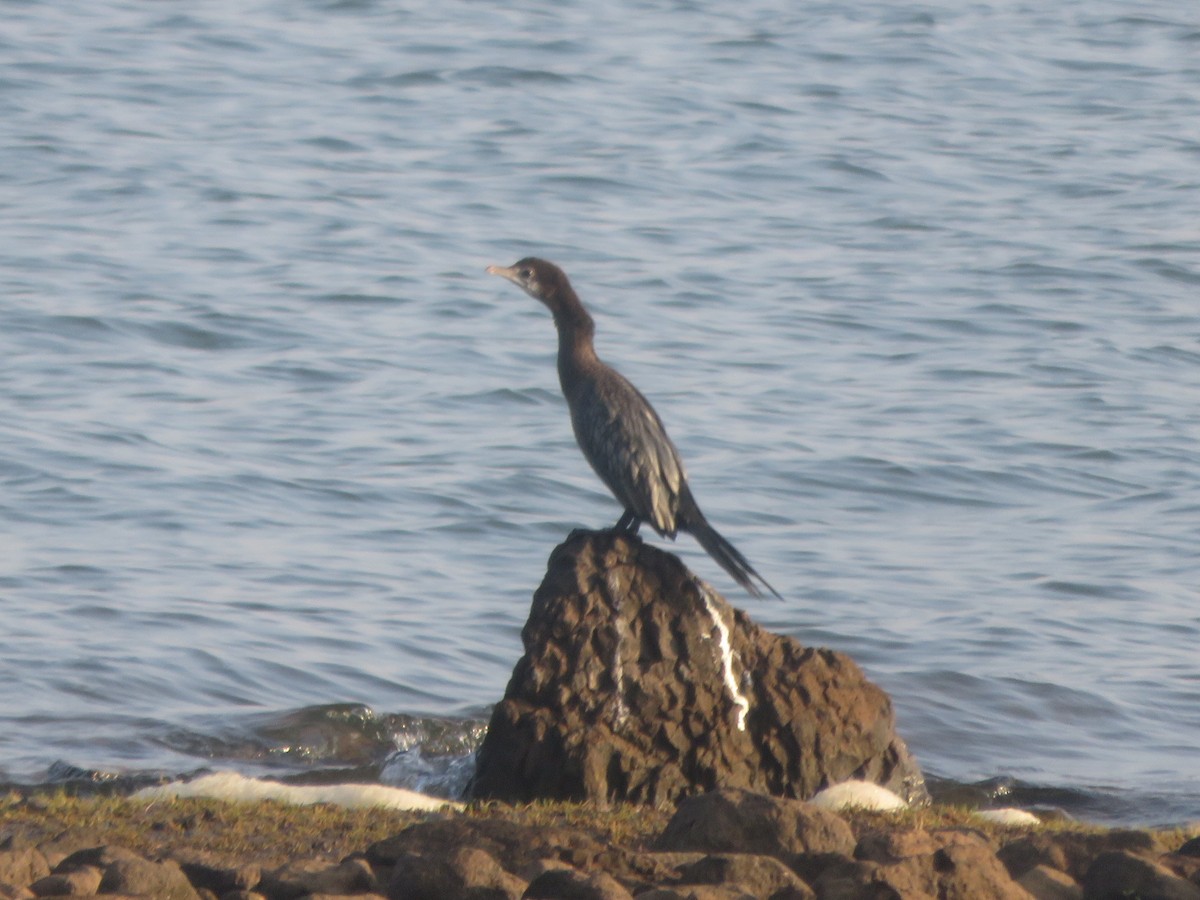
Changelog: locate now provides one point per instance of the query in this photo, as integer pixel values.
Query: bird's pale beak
(509, 272)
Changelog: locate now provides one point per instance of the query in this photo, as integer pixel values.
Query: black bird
(618, 430)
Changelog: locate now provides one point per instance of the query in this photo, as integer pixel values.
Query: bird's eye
(525, 273)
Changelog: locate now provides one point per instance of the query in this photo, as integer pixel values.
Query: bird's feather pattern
(625, 442)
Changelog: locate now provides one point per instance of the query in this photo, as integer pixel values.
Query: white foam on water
(858, 795)
(232, 787)
(1008, 816)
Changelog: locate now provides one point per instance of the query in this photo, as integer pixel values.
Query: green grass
(272, 833)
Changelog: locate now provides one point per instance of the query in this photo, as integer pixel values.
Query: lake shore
(721, 845)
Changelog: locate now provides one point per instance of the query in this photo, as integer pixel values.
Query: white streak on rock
(615, 591)
(739, 699)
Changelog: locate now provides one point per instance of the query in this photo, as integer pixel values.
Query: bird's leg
(628, 523)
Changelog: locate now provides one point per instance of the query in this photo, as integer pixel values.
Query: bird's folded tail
(729, 558)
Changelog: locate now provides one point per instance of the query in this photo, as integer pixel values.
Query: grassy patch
(272, 833)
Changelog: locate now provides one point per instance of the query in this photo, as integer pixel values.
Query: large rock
(302, 877)
(569, 884)
(22, 866)
(467, 873)
(164, 881)
(759, 876)
(1074, 852)
(221, 875)
(81, 882)
(516, 846)
(730, 821)
(640, 683)
(1119, 874)
(964, 866)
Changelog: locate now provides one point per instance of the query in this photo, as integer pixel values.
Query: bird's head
(539, 279)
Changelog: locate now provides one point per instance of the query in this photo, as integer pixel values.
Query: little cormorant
(618, 430)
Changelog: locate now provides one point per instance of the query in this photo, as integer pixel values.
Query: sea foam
(232, 787)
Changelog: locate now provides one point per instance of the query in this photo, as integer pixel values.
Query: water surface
(914, 288)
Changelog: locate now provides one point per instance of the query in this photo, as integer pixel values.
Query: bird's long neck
(576, 331)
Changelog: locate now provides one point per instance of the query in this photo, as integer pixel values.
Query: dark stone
(62, 845)
(623, 694)
(81, 882)
(518, 848)
(22, 867)
(316, 876)
(964, 867)
(1119, 875)
(101, 857)
(809, 866)
(1073, 852)
(1024, 854)
(1190, 848)
(1045, 883)
(1182, 865)
(571, 884)
(162, 880)
(642, 870)
(466, 873)
(700, 892)
(732, 821)
(217, 874)
(899, 844)
(760, 876)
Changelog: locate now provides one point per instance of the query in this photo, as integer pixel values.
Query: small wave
(193, 337)
(506, 76)
(341, 734)
(416, 78)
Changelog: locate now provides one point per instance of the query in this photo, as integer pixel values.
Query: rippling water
(914, 287)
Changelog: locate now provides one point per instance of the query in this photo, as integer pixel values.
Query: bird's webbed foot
(628, 523)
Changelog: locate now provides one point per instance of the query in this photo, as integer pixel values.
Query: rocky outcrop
(640, 683)
(1119, 875)
(938, 864)
(22, 866)
(728, 845)
(732, 821)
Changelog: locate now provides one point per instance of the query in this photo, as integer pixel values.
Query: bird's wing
(625, 441)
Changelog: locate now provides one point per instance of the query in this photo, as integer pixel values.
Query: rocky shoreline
(724, 845)
(653, 743)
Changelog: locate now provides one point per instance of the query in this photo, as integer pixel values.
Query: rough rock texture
(300, 878)
(641, 684)
(518, 848)
(468, 872)
(732, 821)
(1045, 883)
(22, 866)
(765, 847)
(81, 882)
(1071, 852)
(760, 876)
(964, 866)
(1119, 875)
(570, 884)
(207, 871)
(164, 880)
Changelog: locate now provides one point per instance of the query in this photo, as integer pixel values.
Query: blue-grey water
(915, 286)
